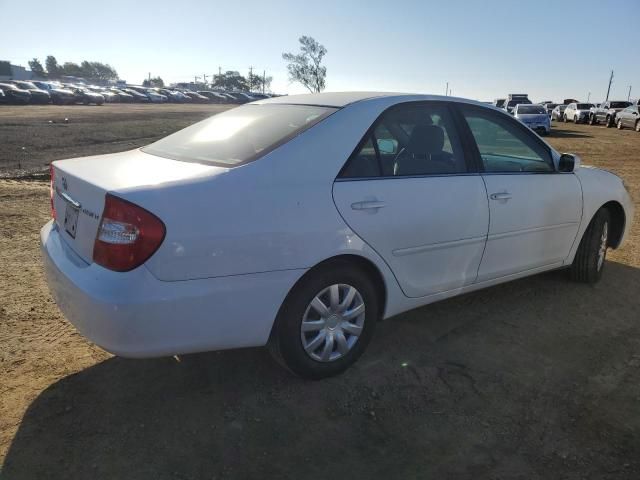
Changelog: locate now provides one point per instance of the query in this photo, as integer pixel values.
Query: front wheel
(326, 322)
(638, 126)
(566, 120)
(592, 119)
(619, 124)
(588, 263)
(609, 122)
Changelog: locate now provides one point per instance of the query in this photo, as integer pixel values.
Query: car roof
(342, 99)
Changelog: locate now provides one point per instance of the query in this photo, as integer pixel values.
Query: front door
(535, 211)
(408, 192)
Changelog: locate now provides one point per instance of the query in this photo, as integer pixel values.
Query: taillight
(52, 173)
(127, 236)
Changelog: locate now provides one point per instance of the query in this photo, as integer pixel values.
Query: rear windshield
(531, 109)
(584, 106)
(239, 135)
(620, 104)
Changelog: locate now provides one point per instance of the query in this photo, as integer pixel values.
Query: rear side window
(407, 140)
(504, 145)
(239, 135)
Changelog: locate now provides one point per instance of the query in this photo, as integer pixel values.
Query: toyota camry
(299, 222)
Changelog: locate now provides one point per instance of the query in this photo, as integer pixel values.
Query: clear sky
(551, 49)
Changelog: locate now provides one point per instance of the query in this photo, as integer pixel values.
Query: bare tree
(306, 67)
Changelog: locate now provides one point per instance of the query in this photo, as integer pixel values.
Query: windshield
(584, 106)
(239, 135)
(620, 104)
(531, 109)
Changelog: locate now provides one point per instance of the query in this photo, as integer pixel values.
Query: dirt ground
(34, 135)
(534, 379)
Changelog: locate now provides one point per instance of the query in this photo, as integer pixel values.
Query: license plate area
(71, 214)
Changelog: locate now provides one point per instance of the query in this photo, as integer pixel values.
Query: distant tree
(53, 69)
(71, 69)
(98, 71)
(230, 80)
(156, 82)
(306, 67)
(37, 68)
(258, 83)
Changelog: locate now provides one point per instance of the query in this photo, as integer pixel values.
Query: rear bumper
(133, 314)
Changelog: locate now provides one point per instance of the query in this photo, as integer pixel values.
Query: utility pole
(219, 70)
(204, 75)
(446, 90)
(609, 87)
(250, 78)
(629, 95)
(588, 97)
(264, 80)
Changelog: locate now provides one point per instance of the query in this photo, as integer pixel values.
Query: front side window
(410, 139)
(239, 135)
(504, 146)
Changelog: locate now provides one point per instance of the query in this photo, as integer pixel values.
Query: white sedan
(300, 221)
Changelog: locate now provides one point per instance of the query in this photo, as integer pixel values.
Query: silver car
(533, 116)
(577, 112)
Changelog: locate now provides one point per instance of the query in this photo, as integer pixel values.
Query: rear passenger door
(535, 210)
(408, 190)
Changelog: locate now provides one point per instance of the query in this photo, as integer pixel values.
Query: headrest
(426, 139)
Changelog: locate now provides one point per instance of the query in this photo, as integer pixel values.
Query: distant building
(14, 72)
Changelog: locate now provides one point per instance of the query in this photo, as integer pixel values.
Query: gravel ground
(534, 379)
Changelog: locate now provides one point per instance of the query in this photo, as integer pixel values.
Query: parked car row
(20, 92)
(538, 117)
(619, 113)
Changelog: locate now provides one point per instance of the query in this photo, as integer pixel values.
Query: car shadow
(509, 381)
(559, 133)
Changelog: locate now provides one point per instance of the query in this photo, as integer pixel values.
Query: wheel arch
(618, 221)
(357, 261)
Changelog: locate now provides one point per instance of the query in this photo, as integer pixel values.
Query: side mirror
(568, 162)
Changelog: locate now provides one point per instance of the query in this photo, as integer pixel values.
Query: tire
(286, 342)
(609, 122)
(592, 119)
(619, 125)
(637, 129)
(565, 119)
(590, 258)
(575, 119)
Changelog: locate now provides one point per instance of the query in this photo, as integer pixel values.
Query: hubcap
(602, 251)
(332, 323)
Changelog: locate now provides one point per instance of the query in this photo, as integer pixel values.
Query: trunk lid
(80, 186)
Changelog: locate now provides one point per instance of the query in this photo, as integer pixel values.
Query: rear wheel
(609, 121)
(638, 126)
(592, 119)
(620, 127)
(575, 119)
(326, 322)
(588, 264)
(564, 117)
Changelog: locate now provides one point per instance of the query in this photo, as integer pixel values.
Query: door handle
(369, 205)
(501, 197)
